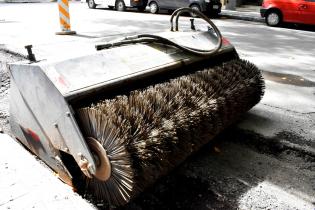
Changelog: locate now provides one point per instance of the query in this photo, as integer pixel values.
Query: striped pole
(64, 18)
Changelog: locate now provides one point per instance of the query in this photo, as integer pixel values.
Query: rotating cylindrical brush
(149, 131)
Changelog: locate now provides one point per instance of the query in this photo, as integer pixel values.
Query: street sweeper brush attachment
(111, 123)
(148, 132)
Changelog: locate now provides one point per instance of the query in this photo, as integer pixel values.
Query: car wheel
(273, 18)
(154, 7)
(195, 7)
(120, 5)
(91, 4)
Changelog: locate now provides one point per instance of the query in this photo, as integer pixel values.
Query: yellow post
(64, 18)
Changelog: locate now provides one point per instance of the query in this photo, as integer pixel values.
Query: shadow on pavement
(301, 27)
(134, 10)
(161, 12)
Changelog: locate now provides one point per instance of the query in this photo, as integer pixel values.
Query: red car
(295, 11)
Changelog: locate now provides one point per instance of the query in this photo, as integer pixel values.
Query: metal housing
(43, 93)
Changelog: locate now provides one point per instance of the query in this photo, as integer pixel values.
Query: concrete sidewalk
(29, 185)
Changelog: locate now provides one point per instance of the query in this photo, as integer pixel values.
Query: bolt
(210, 29)
(68, 114)
(192, 24)
(85, 166)
(91, 168)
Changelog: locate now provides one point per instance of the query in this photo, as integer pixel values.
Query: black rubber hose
(122, 42)
(178, 12)
(181, 47)
(158, 39)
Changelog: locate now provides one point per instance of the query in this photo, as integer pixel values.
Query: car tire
(273, 18)
(194, 7)
(91, 4)
(154, 7)
(120, 5)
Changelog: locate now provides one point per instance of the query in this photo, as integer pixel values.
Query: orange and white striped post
(64, 18)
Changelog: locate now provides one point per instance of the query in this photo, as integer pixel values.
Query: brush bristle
(148, 132)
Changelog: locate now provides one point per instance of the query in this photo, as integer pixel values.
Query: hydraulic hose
(159, 39)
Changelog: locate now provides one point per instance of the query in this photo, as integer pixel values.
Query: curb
(240, 16)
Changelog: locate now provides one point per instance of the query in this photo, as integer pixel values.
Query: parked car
(119, 5)
(211, 7)
(296, 11)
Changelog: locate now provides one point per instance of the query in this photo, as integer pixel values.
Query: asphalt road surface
(265, 161)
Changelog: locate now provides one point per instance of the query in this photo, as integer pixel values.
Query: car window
(310, 0)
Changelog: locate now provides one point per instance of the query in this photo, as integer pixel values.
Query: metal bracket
(30, 54)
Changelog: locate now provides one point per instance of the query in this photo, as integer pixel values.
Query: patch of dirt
(178, 191)
(5, 58)
(289, 79)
